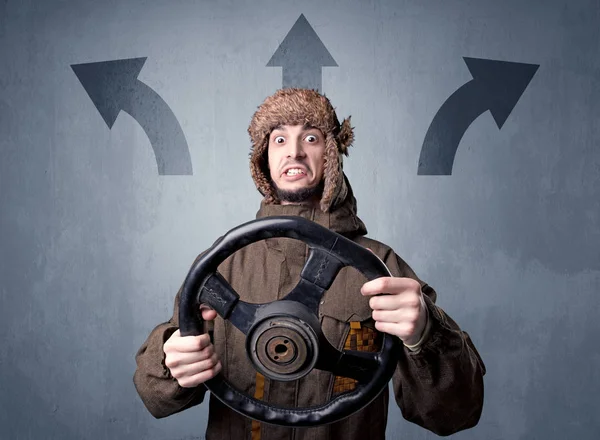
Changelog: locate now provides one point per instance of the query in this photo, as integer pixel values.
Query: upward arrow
(496, 86)
(301, 55)
(114, 86)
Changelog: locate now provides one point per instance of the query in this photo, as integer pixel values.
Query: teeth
(294, 171)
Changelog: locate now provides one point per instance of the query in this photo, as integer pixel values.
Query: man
(296, 163)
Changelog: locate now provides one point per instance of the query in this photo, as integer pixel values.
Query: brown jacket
(439, 388)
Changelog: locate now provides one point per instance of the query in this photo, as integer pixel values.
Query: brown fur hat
(293, 106)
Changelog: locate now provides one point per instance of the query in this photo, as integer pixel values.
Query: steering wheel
(284, 339)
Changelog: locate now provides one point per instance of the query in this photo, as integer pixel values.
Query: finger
(408, 316)
(208, 313)
(391, 285)
(403, 331)
(195, 368)
(406, 300)
(194, 381)
(187, 343)
(176, 359)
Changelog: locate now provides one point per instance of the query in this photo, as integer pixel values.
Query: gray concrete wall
(96, 234)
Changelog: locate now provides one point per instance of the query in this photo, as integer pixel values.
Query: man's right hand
(192, 359)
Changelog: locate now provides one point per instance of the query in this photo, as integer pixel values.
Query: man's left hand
(402, 311)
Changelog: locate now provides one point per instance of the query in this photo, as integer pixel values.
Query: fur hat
(292, 106)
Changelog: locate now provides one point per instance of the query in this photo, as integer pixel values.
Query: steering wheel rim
(329, 252)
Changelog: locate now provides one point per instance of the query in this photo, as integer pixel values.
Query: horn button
(283, 347)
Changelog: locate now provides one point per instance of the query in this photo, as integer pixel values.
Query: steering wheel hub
(283, 348)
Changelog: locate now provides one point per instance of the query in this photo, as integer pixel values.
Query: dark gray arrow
(114, 86)
(496, 86)
(301, 55)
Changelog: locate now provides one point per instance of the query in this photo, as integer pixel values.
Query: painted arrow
(496, 86)
(302, 55)
(114, 86)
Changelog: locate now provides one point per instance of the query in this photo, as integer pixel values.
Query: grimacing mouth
(302, 168)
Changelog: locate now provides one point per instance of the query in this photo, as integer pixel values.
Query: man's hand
(402, 312)
(192, 359)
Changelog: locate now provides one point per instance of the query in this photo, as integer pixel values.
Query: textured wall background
(94, 241)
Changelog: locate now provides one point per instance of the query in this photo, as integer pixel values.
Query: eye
(279, 140)
(311, 138)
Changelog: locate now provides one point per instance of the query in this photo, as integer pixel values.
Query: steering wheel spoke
(321, 268)
(358, 365)
(218, 293)
(223, 298)
(243, 316)
(316, 277)
(306, 293)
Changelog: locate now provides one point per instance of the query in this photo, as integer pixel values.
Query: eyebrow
(305, 127)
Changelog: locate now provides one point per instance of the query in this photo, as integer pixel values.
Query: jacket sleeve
(161, 393)
(439, 387)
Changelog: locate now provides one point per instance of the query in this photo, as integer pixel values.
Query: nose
(295, 149)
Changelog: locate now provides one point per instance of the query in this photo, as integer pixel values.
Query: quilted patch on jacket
(360, 338)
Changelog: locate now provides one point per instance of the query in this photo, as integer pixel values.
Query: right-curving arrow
(496, 86)
(114, 86)
(302, 55)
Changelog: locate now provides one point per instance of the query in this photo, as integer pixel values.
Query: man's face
(296, 163)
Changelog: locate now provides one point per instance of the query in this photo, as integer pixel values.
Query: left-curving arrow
(114, 86)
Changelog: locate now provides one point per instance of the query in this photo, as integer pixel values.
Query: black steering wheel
(284, 339)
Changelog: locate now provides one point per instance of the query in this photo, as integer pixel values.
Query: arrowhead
(502, 83)
(109, 84)
(301, 47)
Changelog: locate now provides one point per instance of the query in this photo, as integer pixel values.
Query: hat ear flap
(346, 136)
(259, 169)
(334, 179)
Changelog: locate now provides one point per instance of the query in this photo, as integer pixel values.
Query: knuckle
(414, 286)
(197, 344)
(171, 362)
(175, 372)
(185, 382)
(203, 376)
(203, 340)
(215, 370)
(413, 317)
(374, 303)
(209, 350)
(416, 301)
(204, 365)
(409, 328)
(383, 283)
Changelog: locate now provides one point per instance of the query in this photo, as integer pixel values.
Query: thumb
(208, 314)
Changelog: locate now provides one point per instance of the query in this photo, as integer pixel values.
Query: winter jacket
(439, 387)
